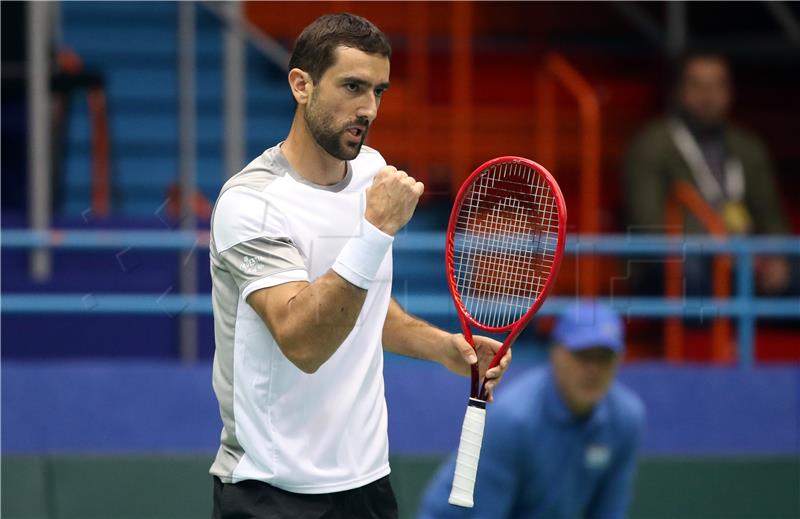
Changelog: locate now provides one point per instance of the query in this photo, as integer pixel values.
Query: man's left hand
(459, 355)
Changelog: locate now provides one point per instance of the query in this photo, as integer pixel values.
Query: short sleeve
(252, 242)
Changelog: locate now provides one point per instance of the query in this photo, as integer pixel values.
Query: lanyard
(733, 176)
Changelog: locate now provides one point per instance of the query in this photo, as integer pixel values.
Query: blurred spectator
(729, 167)
(561, 440)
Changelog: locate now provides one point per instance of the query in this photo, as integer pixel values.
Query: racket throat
(474, 373)
(475, 383)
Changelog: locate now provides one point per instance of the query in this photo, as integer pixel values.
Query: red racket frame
(517, 326)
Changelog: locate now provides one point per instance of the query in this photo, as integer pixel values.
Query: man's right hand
(391, 199)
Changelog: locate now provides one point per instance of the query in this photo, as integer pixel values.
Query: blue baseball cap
(588, 324)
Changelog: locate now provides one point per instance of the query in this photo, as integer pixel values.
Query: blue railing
(744, 306)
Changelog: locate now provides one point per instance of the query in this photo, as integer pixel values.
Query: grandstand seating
(143, 94)
(142, 85)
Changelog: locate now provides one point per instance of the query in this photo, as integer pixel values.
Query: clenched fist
(391, 199)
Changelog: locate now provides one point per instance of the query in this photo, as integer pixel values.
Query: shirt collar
(559, 411)
(280, 159)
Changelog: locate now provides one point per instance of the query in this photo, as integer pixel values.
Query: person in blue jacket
(561, 441)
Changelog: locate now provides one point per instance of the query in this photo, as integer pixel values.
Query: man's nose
(369, 108)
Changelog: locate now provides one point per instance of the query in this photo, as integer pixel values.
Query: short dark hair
(314, 49)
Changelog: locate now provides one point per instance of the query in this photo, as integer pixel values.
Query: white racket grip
(469, 451)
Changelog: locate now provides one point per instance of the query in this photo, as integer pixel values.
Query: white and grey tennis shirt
(305, 433)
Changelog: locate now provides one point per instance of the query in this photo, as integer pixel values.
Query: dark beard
(330, 139)
(700, 129)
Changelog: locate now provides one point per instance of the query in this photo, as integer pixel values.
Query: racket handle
(469, 451)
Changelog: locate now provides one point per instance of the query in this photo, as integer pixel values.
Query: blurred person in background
(561, 441)
(729, 167)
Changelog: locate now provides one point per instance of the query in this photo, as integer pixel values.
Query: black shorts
(251, 499)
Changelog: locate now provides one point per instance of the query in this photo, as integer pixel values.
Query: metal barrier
(685, 197)
(558, 71)
(744, 307)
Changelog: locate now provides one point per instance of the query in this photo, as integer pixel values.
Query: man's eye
(379, 92)
(352, 87)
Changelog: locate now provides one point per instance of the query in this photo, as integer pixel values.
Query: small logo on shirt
(597, 456)
(252, 264)
(609, 330)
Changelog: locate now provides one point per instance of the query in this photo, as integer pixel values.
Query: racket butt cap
(458, 501)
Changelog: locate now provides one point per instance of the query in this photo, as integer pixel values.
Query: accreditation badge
(597, 456)
(737, 218)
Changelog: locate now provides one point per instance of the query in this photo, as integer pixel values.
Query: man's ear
(301, 84)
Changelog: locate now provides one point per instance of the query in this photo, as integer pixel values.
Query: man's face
(583, 377)
(345, 101)
(705, 91)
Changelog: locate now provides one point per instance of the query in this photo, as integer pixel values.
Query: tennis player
(561, 440)
(301, 266)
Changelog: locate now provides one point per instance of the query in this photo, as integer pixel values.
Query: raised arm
(309, 321)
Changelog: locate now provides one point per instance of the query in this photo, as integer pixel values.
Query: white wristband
(362, 255)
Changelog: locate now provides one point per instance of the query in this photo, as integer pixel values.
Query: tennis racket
(504, 246)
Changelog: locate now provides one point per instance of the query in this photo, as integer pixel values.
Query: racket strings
(504, 243)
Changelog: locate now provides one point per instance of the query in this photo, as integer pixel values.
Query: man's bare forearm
(412, 337)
